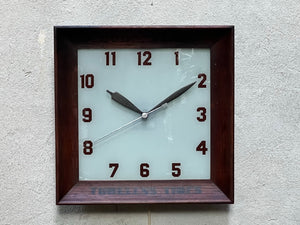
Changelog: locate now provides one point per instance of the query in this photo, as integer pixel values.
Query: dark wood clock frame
(218, 189)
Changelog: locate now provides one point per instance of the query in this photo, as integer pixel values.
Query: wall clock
(144, 114)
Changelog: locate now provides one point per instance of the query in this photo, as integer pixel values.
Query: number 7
(115, 167)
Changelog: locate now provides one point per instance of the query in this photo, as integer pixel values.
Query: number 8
(87, 147)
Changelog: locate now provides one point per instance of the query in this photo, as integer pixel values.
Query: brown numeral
(113, 56)
(87, 81)
(146, 62)
(115, 167)
(202, 116)
(176, 58)
(87, 114)
(176, 169)
(202, 147)
(202, 76)
(144, 171)
(87, 147)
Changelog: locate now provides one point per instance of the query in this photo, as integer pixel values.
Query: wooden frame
(219, 189)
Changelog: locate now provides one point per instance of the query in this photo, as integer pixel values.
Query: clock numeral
(202, 147)
(87, 115)
(202, 116)
(176, 58)
(146, 62)
(144, 167)
(202, 76)
(176, 169)
(87, 81)
(115, 167)
(113, 57)
(144, 171)
(87, 147)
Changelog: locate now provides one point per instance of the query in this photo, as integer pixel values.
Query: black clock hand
(116, 96)
(176, 94)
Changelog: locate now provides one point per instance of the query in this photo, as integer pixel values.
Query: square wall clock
(144, 114)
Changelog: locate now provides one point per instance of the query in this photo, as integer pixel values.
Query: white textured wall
(267, 109)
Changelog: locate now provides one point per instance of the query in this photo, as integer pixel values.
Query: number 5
(176, 169)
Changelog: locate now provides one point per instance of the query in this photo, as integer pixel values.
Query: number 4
(202, 147)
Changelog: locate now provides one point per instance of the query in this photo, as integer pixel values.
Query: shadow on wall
(157, 213)
(69, 209)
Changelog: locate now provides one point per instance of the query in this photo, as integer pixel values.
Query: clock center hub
(145, 115)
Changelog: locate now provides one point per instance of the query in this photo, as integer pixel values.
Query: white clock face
(172, 143)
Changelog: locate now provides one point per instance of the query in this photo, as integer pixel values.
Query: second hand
(143, 116)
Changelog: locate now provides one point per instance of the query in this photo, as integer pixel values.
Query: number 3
(202, 116)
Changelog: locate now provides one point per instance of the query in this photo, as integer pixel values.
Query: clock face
(116, 142)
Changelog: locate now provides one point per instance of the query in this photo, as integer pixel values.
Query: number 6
(144, 170)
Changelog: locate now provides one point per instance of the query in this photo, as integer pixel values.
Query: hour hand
(116, 96)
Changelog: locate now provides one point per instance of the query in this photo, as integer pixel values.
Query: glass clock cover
(173, 142)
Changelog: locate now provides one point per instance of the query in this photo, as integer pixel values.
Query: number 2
(202, 76)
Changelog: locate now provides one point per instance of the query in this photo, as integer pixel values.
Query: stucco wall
(267, 109)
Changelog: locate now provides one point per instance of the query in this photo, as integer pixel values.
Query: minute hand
(176, 94)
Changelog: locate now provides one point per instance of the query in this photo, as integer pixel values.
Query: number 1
(176, 58)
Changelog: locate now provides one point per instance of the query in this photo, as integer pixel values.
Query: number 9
(87, 114)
